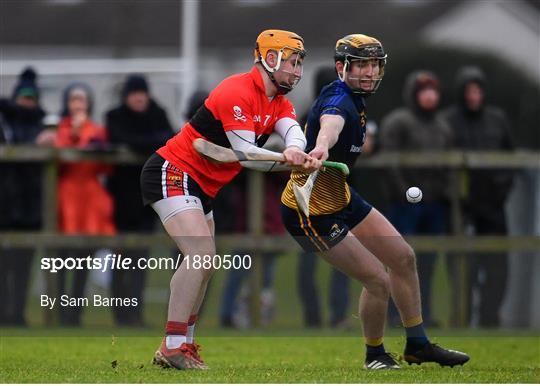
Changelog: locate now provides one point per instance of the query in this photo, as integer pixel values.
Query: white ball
(414, 194)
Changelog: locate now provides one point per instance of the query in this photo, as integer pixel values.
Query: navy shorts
(320, 233)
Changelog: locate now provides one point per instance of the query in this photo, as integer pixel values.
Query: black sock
(416, 336)
(374, 351)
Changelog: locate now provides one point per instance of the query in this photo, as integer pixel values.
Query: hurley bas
(95, 301)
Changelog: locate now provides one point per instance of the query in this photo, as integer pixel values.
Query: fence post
(459, 265)
(256, 223)
(50, 222)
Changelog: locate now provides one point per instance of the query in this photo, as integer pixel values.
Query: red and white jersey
(238, 103)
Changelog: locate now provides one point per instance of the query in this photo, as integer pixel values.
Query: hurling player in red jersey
(179, 184)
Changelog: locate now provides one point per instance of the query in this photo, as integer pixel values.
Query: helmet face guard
(294, 74)
(284, 44)
(376, 81)
(360, 48)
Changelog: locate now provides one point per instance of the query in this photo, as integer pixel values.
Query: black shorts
(320, 233)
(161, 180)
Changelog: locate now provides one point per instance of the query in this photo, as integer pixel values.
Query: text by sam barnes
(95, 301)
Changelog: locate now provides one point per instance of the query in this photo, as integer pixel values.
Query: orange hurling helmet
(285, 43)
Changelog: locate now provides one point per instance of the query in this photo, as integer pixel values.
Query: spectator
(307, 264)
(195, 102)
(50, 129)
(416, 127)
(84, 206)
(20, 196)
(478, 126)
(234, 308)
(142, 125)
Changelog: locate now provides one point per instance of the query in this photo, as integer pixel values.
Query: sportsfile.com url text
(118, 262)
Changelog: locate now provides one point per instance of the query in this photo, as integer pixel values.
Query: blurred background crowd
(460, 76)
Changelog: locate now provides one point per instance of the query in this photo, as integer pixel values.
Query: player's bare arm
(331, 126)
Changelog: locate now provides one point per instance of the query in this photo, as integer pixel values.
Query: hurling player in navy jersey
(344, 229)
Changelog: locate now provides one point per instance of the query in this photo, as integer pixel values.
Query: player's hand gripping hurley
(225, 155)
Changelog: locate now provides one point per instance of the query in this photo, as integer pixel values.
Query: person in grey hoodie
(417, 127)
(478, 126)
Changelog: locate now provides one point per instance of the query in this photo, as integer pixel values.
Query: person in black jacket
(142, 125)
(478, 126)
(416, 126)
(20, 195)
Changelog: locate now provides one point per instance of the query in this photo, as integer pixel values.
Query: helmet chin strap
(282, 90)
(344, 72)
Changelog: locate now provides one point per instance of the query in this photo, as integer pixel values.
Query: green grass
(284, 352)
(256, 359)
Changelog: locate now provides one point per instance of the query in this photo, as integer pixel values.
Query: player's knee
(207, 273)
(406, 261)
(204, 263)
(379, 285)
(409, 259)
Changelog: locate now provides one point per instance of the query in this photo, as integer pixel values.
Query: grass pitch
(284, 352)
(257, 359)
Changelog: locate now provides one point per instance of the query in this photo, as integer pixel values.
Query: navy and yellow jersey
(331, 192)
